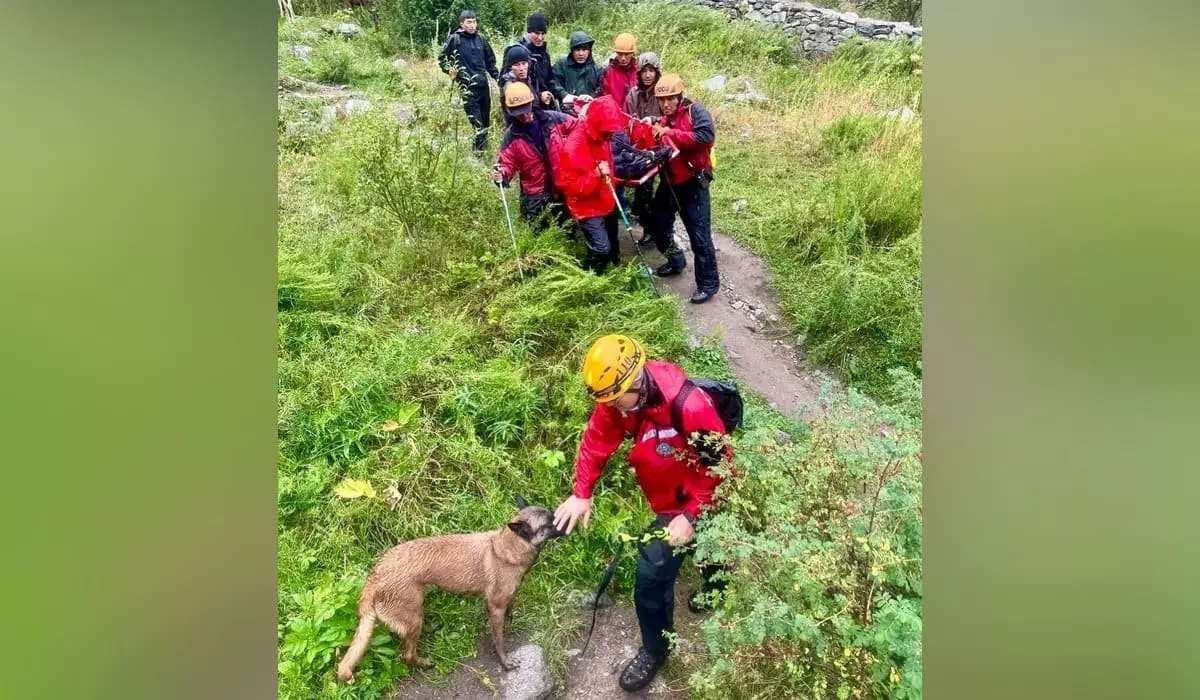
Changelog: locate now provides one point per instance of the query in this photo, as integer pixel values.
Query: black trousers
(600, 235)
(694, 205)
(641, 208)
(541, 211)
(477, 103)
(654, 588)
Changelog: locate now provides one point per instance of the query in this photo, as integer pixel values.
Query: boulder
(531, 679)
(399, 64)
(349, 30)
(302, 52)
(715, 83)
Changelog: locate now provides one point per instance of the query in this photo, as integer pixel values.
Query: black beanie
(466, 14)
(537, 23)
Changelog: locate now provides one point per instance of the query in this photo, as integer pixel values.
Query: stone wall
(819, 30)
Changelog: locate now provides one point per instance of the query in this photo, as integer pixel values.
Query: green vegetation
(414, 356)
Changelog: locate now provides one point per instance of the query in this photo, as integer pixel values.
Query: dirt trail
(745, 314)
(593, 675)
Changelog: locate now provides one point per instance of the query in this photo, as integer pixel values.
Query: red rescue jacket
(519, 156)
(586, 193)
(674, 483)
(616, 81)
(693, 133)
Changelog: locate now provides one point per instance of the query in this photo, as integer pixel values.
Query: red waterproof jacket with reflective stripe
(675, 482)
(691, 129)
(586, 193)
(518, 155)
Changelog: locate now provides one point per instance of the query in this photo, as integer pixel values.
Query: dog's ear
(522, 529)
(521, 502)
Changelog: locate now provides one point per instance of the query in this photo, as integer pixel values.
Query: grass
(414, 355)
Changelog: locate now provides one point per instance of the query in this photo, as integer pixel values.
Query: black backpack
(724, 395)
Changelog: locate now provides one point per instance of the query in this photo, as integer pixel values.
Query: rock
(399, 64)
(586, 601)
(851, 17)
(715, 83)
(782, 438)
(349, 30)
(847, 32)
(302, 52)
(865, 25)
(813, 27)
(404, 114)
(530, 680)
(572, 653)
(904, 114)
(350, 107)
(750, 96)
(740, 206)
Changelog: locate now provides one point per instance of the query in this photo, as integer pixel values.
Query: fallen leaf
(354, 488)
(391, 425)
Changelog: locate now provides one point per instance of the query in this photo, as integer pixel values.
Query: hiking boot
(640, 671)
(700, 297)
(667, 270)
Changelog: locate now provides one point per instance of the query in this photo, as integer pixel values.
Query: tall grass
(413, 354)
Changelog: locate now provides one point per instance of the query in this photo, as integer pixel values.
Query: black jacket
(473, 55)
(541, 69)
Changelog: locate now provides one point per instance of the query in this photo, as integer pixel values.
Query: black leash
(604, 581)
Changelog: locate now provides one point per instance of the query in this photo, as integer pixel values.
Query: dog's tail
(362, 636)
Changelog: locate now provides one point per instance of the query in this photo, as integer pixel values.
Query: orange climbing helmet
(611, 366)
(625, 43)
(518, 98)
(669, 85)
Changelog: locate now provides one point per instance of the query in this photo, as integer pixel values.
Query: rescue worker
(640, 103)
(576, 75)
(636, 396)
(527, 151)
(541, 68)
(584, 174)
(684, 189)
(620, 71)
(518, 69)
(467, 57)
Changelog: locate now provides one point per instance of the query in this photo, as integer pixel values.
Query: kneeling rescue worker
(635, 396)
(528, 151)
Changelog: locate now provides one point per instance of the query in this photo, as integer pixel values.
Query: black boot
(640, 671)
(646, 240)
(700, 297)
(668, 270)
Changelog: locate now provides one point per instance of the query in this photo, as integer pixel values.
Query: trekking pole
(629, 229)
(512, 234)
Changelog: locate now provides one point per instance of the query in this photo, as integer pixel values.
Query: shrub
(825, 540)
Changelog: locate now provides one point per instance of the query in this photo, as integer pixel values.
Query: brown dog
(487, 563)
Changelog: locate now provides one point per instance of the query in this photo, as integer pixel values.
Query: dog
(490, 564)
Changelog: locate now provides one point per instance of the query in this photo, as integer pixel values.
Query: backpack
(725, 397)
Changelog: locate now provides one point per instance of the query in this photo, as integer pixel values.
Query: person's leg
(485, 118)
(642, 211)
(533, 210)
(654, 600)
(475, 108)
(663, 231)
(696, 214)
(612, 227)
(595, 237)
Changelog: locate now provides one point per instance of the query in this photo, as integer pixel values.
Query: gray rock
(740, 206)
(404, 114)
(715, 83)
(782, 438)
(349, 30)
(530, 680)
(399, 64)
(350, 107)
(847, 32)
(865, 25)
(572, 653)
(904, 114)
(586, 601)
(813, 27)
(850, 17)
(302, 52)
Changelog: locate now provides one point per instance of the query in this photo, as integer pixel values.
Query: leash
(611, 569)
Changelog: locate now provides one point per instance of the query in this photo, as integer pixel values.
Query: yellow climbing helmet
(516, 96)
(625, 43)
(611, 366)
(668, 85)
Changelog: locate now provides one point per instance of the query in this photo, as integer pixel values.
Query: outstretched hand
(570, 511)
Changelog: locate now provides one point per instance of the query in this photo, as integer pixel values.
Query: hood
(578, 39)
(649, 59)
(603, 118)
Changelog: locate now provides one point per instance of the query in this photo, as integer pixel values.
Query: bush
(417, 25)
(825, 540)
